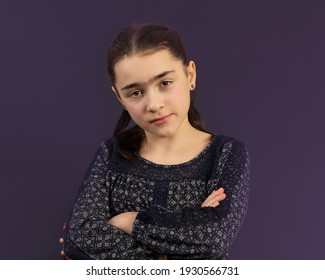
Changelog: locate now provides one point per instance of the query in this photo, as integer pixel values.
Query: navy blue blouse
(168, 198)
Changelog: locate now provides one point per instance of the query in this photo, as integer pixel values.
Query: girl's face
(155, 89)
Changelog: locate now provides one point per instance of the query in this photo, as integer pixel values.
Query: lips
(161, 120)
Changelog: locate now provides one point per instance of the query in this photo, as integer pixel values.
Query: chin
(162, 133)
(166, 134)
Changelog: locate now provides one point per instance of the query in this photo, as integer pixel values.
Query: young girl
(164, 188)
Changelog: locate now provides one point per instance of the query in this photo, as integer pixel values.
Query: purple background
(260, 79)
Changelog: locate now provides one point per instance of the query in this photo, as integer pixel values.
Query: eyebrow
(155, 78)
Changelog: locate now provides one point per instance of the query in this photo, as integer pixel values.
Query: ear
(191, 72)
(117, 94)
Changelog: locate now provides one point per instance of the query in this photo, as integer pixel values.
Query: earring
(192, 86)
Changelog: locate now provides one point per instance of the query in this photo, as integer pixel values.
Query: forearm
(200, 231)
(190, 231)
(125, 221)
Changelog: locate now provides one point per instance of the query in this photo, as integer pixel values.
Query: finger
(216, 193)
(62, 253)
(213, 198)
(215, 204)
(220, 190)
(212, 195)
(210, 201)
(61, 240)
(216, 196)
(221, 197)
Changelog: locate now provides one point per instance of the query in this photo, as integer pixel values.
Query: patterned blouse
(168, 198)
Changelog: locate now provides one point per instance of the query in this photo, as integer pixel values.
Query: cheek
(182, 97)
(135, 112)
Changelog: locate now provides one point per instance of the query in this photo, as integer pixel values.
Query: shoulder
(108, 151)
(226, 143)
(231, 160)
(108, 145)
(229, 147)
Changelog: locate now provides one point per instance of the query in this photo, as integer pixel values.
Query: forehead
(143, 66)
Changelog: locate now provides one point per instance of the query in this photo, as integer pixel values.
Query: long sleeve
(89, 235)
(196, 232)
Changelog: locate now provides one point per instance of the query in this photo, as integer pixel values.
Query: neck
(174, 150)
(169, 145)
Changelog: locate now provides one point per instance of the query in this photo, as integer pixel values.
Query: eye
(166, 83)
(135, 93)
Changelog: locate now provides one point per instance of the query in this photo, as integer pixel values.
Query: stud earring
(192, 86)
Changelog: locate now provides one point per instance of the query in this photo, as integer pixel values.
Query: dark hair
(134, 39)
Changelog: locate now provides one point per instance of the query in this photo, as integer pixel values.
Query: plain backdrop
(261, 70)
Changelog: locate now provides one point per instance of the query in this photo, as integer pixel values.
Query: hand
(124, 221)
(213, 200)
(61, 241)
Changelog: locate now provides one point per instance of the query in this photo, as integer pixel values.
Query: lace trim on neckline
(201, 154)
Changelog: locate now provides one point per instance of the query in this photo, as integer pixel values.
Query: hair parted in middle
(144, 38)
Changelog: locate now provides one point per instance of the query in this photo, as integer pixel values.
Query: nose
(154, 101)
